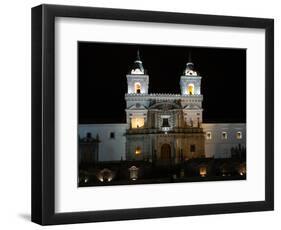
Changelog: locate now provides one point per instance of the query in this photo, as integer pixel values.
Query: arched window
(239, 135)
(137, 87)
(208, 135)
(224, 135)
(190, 89)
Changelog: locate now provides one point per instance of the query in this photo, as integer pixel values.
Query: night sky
(103, 84)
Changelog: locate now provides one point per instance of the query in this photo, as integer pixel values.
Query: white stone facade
(164, 126)
(221, 137)
(113, 149)
(112, 139)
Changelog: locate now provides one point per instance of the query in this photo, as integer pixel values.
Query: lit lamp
(203, 171)
(242, 170)
(134, 172)
(105, 175)
(223, 171)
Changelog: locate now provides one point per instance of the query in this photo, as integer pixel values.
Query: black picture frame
(43, 110)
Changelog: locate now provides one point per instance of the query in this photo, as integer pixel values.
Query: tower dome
(189, 69)
(137, 67)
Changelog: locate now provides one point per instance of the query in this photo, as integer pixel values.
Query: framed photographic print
(142, 114)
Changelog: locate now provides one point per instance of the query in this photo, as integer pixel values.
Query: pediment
(137, 106)
(165, 106)
(192, 107)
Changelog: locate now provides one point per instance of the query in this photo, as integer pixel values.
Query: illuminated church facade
(163, 127)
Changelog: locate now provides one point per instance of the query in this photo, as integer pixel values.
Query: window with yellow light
(190, 89)
(137, 122)
(138, 150)
(137, 88)
(239, 135)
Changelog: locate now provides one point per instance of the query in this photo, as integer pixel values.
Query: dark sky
(103, 68)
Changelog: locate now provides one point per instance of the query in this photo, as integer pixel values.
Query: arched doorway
(165, 152)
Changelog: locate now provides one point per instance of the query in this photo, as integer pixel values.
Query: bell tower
(137, 103)
(136, 97)
(137, 79)
(190, 84)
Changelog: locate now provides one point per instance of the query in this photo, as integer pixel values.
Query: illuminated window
(224, 135)
(137, 122)
(190, 89)
(239, 135)
(208, 135)
(137, 88)
(138, 150)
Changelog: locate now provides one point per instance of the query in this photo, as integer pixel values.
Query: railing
(157, 130)
(164, 95)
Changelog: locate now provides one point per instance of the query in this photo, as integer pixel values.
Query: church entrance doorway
(165, 153)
